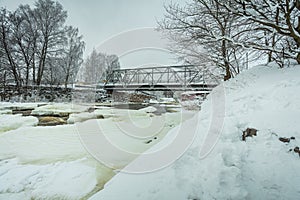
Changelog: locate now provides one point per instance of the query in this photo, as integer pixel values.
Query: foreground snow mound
(62, 180)
(262, 167)
(48, 163)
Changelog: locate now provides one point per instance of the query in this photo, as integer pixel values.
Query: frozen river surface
(75, 160)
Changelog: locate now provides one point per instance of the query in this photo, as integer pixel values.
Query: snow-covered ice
(62, 109)
(39, 162)
(19, 106)
(6, 111)
(61, 180)
(11, 122)
(262, 167)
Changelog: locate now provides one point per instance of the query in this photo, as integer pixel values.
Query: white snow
(62, 180)
(167, 100)
(131, 131)
(80, 117)
(11, 122)
(52, 162)
(6, 111)
(61, 109)
(149, 109)
(105, 112)
(42, 144)
(19, 106)
(262, 167)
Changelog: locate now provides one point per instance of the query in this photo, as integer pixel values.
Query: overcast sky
(103, 23)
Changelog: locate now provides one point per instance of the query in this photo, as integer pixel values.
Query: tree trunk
(228, 74)
(66, 82)
(33, 70)
(42, 62)
(226, 63)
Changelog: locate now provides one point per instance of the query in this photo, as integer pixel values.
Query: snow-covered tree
(203, 33)
(36, 45)
(72, 57)
(97, 66)
(279, 20)
(9, 60)
(50, 18)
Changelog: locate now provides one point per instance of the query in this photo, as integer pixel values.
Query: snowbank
(262, 167)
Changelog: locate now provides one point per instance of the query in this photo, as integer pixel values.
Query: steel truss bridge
(165, 78)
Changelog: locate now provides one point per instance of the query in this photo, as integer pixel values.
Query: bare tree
(96, 67)
(8, 48)
(37, 47)
(25, 36)
(73, 51)
(50, 17)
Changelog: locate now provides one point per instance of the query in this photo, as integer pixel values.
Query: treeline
(227, 34)
(37, 47)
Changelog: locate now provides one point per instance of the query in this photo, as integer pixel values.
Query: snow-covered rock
(59, 109)
(167, 100)
(149, 109)
(81, 117)
(216, 163)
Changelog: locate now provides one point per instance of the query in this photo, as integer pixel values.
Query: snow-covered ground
(202, 158)
(52, 162)
(216, 162)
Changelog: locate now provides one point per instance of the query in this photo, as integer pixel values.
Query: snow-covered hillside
(262, 167)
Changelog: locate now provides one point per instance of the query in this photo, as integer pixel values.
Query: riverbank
(243, 144)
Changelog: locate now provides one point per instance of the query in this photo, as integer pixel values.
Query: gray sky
(106, 21)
